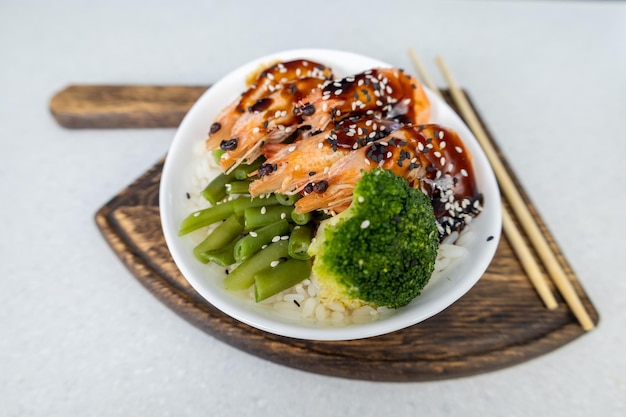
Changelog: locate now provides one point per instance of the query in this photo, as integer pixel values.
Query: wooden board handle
(123, 106)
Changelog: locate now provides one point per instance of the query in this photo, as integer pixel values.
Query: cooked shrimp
(270, 119)
(430, 157)
(269, 80)
(289, 167)
(387, 92)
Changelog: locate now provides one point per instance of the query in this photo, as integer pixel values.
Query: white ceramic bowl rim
(435, 297)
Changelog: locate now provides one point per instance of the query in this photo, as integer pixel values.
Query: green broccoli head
(381, 250)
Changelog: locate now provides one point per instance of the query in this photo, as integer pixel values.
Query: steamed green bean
(255, 217)
(288, 199)
(285, 275)
(256, 239)
(223, 256)
(215, 191)
(206, 217)
(300, 218)
(242, 276)
(243, 203)
(243, 171)
(220, 237)
(238, 187)
(299, 241)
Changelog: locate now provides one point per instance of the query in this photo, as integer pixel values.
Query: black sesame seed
(308, 189)
(215, 127)
(296, 303)
(229, 145)
(265, 169)
(188, 196)
(320, 187)
(308, 110)
(227, 271)
(490, 238)
(311, 173)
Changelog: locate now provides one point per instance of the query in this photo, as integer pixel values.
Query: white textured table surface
(79, 336)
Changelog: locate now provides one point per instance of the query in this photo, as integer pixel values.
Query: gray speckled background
(79, 336)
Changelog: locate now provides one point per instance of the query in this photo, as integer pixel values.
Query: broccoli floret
(381, 250)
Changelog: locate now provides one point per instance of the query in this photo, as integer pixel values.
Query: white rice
(301, 303)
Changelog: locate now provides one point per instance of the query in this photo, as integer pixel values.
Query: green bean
(288, 199)
(255, 217)
(238, 187)
(217, 155)
(206, 217)
(223, 256)
(220, 237)
(215, 191)
(242, 171)
(300, 218)
(299, 241)
(274, 280)
(256, 239)
(243, 203)
(242, 276)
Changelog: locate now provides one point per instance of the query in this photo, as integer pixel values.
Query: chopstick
(519, 207)
(511, 231)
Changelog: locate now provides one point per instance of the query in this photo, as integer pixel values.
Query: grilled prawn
(389, 93)
(269, 80)
(289, 167)
(271, 119)
(430, 157)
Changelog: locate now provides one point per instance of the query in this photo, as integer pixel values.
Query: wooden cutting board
(499, 323)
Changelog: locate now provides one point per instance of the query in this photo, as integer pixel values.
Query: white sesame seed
(464, 172)
(361, 199)
(367, 161)
(253, 234)
(263, 210)
(275, 239)
(286, 237)
(389, 154)
(338, 91)
(291, 148)
(320, 145)
(458, 149)
(274, 264)
(441, 134)
(196, 214)
(283, 215)
(255, 130)
(365, 224)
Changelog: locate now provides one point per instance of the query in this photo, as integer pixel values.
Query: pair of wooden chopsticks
(518, 207)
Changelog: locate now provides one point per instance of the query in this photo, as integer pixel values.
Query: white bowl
(207, 281)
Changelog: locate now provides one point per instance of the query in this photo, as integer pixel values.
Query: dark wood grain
(501, 322)
(123, 106)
